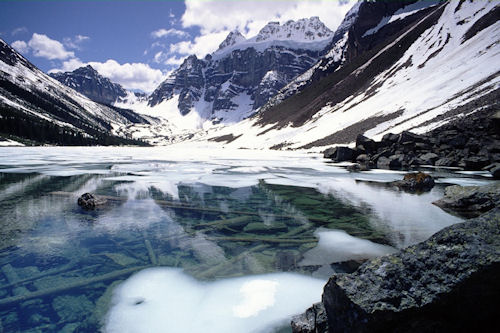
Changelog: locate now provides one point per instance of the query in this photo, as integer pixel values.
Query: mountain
(87, 81)
(243, 74)
(391, 66)
(39, 109)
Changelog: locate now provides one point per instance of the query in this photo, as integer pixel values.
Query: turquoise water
(210, 221)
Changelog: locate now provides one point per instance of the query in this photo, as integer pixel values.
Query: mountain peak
(234, 37)
(86, 70)
(87, 81)
(307, 29)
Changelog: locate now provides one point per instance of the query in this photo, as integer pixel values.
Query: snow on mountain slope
(452, 62)
(26, 89)
(363, 19)
(308, 33)
(87, 81)
(230, 84)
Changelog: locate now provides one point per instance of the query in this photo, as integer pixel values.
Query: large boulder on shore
(339, 154)
(470, 200)
(449, 283)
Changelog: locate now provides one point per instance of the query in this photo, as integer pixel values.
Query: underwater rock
(470, 200)
(448, 283)
(413, 182)
(90, 201)
(72, 308)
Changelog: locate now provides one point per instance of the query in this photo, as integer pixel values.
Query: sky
(138, 43)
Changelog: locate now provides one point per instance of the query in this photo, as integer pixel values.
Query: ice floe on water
(337, 246)
(168, 300)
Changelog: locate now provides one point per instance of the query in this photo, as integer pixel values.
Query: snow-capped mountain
(37, 107)
(357, 35)
(87, 81)
(230, 84)
(398, 66)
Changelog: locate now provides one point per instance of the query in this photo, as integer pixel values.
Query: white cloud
(75, 42)
(201, 45)
(20, 46)
(129, 75)
(158, 56)
(170, 32)
(174, 61)
(45, 47)
(19, 30)
(220, 17)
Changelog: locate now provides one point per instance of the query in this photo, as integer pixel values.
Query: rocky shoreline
(469, 143)
(449, 282)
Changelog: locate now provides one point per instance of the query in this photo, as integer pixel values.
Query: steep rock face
(448, 283)
(413, 77)
(365, 26)
(243, 74)
(88, 82)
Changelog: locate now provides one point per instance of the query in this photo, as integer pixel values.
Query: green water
(59, 262)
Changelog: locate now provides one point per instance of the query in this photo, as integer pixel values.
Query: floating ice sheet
(168, 300)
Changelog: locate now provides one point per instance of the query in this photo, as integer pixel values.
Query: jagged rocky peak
(87, 81)
(234, 37)
(233, 82)
(307, 29)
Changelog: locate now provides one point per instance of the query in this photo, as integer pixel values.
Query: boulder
(446, 162)
(391, 162)
(470, 200)
(390, 138)
(495, 171)
(429, 158)
(406, 136)
(415, 182)
(312, 321)
(448, 283)
(368, 145)
(90, 201)
(476, 162)
(339, 154)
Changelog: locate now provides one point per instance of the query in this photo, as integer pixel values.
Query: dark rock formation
(88, 82)
(312, 321)
(339, 154)
(449, 283)
(470, 200)
(415, 182)
(244, 74)
(494, 169)
(470, 143)
(90, 201)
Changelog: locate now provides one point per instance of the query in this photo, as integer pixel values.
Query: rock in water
(90, 201)
(470, 200)
(414, 182)
(449, 283)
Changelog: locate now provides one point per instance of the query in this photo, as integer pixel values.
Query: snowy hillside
(31, 95)
(446, 59)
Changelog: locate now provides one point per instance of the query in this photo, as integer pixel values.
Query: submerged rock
(447, 283)
(90, 201)
(470, 200)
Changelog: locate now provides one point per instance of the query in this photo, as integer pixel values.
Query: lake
(191, 239)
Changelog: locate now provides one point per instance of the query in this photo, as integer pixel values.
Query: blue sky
(137, 43)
